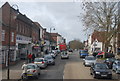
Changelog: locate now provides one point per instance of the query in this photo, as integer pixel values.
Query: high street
(71, 68)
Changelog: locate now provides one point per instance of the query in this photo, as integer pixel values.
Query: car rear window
(83, 51)
(101, 66)
(38, 60)
(30, 67)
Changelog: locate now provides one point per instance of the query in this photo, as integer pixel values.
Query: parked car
(83, 53)
(100, 70)
(41, 62)
(30, 70)
(89, 60)
(70, 50)
(64, 55)
(116, 66)
(109, 62)
(95, 53)
(109, 55)
(49, 59)
(52, 54)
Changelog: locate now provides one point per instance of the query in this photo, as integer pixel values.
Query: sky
(65, 17)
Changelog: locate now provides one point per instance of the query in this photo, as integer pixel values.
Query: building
(8, 33)
(118, 34)
(35, 38)
(58, 38)
(22, 32)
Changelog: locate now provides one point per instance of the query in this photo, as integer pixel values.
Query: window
(3, 35)
(12, 39)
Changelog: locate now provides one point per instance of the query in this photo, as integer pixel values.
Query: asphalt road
(71, 68)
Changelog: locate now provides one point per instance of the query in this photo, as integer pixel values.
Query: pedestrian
(30, 58)
(33, 57)
(24, 65)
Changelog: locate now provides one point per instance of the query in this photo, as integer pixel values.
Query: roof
(55, 34)
(24, 18)
(99, 35)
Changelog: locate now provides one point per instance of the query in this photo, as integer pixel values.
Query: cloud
(63, 16)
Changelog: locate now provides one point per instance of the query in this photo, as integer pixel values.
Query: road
(71, 68)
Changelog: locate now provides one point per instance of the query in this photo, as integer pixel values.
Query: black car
(100, 70)
(109, 62)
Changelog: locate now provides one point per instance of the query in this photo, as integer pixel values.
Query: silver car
(64, 55)
(49, 59)
(30, 70)
(52, 54)
(41, 62)
(89, 60)
(116, 66)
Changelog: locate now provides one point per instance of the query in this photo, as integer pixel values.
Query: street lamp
(8, 69)
(50, 39)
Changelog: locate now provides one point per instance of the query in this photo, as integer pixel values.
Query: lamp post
(8, 61)
(50, 37)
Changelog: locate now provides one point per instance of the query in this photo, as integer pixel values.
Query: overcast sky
(63, 16)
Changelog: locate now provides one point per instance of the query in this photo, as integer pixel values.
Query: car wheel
(90, 73)
(54, 63)
(38, 73)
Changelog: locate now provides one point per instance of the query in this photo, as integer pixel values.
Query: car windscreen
(30, 67)
(101, 66)
(38, 60)
(118, 63)
(90, 58)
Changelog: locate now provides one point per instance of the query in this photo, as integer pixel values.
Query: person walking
(30, 58)
(33, 57)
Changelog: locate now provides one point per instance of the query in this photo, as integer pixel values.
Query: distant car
(109, 62)
(64, 55)
(31, 70)
(83, 53)
(41, 62)
(100, 70)
(70, 50)
(49, 59)
(116, 66)
(89, 60)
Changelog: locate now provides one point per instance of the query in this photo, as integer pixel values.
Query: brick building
(8, 32)
(23, 33)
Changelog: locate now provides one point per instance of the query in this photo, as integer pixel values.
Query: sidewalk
(15, 71)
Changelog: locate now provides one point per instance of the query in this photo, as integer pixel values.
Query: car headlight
(97, 72)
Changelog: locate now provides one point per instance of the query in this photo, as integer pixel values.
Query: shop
(23, 47)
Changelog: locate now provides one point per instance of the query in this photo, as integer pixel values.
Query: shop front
(23, 47)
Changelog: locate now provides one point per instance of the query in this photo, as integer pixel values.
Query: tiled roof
(55, 34)
(99, 35)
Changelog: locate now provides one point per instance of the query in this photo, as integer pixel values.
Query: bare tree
(101, 16)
